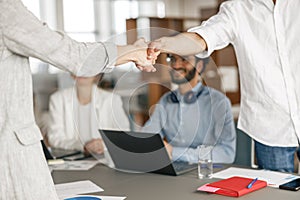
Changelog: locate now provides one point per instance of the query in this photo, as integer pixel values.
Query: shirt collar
(194, 89)
(197, 87)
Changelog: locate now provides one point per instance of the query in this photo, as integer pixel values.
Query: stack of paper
(73, 189)
(274, 179)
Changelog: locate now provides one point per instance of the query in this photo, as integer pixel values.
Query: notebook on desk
(141, 152)
(234, 186)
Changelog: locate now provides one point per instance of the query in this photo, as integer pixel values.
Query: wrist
(125, 54)
(164, 41)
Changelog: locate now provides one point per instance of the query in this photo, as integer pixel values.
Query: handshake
(144, 54)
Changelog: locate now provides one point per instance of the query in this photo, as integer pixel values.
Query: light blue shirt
(185, 126)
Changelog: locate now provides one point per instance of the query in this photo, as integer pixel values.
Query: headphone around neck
(189, 98)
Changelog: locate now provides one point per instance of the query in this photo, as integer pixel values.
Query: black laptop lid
(137, 152)
(58, 153)
(47, 154)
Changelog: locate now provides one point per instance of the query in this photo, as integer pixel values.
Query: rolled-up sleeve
(218, 31)
(25, 35)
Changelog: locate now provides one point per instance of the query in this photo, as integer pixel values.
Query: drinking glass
(205, 164)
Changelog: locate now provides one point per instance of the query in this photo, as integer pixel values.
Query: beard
(190, 75)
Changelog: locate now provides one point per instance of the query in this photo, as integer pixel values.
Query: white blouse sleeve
(57, 135)
(119, 115)
(25, 35)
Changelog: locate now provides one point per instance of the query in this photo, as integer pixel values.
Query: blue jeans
(275, 158)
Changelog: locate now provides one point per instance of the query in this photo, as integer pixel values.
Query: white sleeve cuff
(205, 34)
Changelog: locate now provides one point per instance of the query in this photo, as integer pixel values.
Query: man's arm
(187, 43)
(215, 33)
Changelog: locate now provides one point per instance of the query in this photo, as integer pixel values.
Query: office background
(102, 20)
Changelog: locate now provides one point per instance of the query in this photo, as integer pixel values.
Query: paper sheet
(274, 179)
(65, 190)
(103, 197)
(75, 165)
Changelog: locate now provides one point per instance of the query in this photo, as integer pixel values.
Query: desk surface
(150, 186)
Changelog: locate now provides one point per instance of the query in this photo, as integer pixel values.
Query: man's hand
(137, 53)
(169, 149)
(142, 60)
(94, 146)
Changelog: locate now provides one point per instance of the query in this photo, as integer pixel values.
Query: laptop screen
(137, 152)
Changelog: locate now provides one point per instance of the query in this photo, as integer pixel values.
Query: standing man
(24, 173)
(266, 41)
(193, 115)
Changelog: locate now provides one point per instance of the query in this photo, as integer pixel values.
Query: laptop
(61, 153)
(141, 152)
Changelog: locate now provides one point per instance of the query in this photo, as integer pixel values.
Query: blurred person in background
(77, 113)
(193, 114)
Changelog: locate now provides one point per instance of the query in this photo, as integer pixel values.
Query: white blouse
(71, 125)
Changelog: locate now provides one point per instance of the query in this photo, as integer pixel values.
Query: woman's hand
(94, 146)
(137, 53)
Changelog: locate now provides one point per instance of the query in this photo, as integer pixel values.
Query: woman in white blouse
(24, 173)
(77, 113)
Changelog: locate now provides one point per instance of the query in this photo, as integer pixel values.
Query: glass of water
(205, 164)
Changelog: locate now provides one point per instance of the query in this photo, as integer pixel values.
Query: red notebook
(235, 186)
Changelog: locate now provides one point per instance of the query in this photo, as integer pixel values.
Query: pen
(251, 184)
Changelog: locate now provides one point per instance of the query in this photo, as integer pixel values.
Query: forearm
(125, 54)
(223, 154)
(183, 44)
(185, 154)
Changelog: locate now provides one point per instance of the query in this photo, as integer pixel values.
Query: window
(79, 19)
(124, 10)
(132, 9)
(78, 22)
(91, 20)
